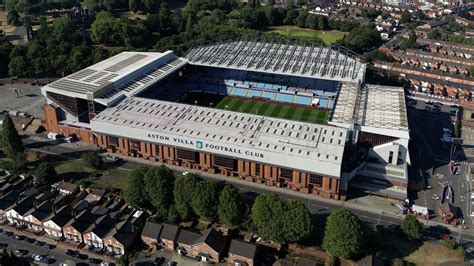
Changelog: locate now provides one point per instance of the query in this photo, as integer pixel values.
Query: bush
(451, 244)
(92, 160)
(412, 228)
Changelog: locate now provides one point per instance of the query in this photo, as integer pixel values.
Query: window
(186, 155)
(390, 157)
(113, 141)
(286, 173)
(135, 144)
(257, 169)
(225, 162)
(316, 180)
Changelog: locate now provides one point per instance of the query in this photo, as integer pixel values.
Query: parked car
(7, 233)
(171, 263)
(159, 260)
(113, 158)
(72, 253)
(21, 252)
(18, 237)
(95, 261)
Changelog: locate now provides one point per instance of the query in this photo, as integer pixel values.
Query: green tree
(18, 164)
(151, 6)
(106, 29)
(134, 5)
(10, 139)
(93, 160)
(45, 174)
(135, 194)
(90, 4)
(231, 208)
(343, 234)
(412, 228)
(434, 34)
(205, 200)
(280, 220)
(323, 23)
(405, 17)
(123, 260)
(63, 28)
(173, 215)
(409, 43)
(159, 184)
(184, 189)
(13, 18)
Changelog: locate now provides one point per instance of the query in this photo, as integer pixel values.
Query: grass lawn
(111, 179)
(434, 254)
(270, 109)
(293, 31)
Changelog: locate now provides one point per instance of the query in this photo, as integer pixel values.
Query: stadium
(295, 116)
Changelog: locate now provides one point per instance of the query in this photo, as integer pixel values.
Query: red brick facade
(249, 170)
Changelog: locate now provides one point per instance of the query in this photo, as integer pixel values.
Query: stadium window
(319, 154)
(257, 169)
(322, 140)
(335, 158)
(339, 142)
(316, 180)
(222, 161)
(325, 131)
(113, 141)
(340, 134)
(330, 141)
(327, 156)
(186, 155)
(286, 173)
(332, 133)
(301, 127)
(297, 135)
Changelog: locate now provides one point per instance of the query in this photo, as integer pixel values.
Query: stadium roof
(309, 147)
(382, 107)
(282, 57)
(376, 108)
(124, 74)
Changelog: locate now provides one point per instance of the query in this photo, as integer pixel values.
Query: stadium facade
(138, 104)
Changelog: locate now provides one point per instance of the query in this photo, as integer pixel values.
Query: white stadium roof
(281, 57)
(375, 108)
(309, 147)
(124, 74)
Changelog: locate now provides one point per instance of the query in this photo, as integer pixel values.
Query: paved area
(29, 101)
(431, 156)
(57, 254)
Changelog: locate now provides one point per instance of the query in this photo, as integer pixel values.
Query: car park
(29, 240)
(171, 263)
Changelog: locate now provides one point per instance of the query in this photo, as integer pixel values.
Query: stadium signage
(201, 145)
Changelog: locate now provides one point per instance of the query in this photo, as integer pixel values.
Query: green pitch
(270, 109)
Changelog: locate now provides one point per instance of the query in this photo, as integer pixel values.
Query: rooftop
(345, 104)
(383, 107)
(126, 74)
(314, 148)
(281, 56)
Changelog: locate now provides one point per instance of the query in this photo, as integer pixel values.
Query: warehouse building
(137, 104)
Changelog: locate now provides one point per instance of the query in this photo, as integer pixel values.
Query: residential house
(6, 202)
(242, 253)
(120, 238)
(168, 237)
(96, 233)
(151, 233)
(76, 227)
(66, 188)
(16, 213)
(35, 217)
(54, 223)
(206, 246)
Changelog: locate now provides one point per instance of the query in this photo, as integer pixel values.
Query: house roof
(42, 211)
(152, 230)
(213, 239)
(66, 186)
(122, 232)
(188, 237)
(24, 205)
(62, 217)
(243, 249)
(83, 221)
(102, 226)
(169, 231)
(8, 200)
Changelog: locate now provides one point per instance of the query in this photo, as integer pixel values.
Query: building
(242, 253)
(120, 238)
(137, 104)
(207, 246)
(169, 235)
(150, 234)
(53, 225)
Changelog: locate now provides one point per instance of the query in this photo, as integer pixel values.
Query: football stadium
(278, 113)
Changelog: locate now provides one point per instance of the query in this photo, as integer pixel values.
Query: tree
(18, 164)
(409, 43)
(323, 23)
(151, 6)
(434, 34)
(135, 195)
(134, 5)
(184, 189)
(343, 235)
(405, 17)
(280, 220)
(412, 228)
(93, 160)
(10, 139)
(173, 215)
(231, 209)
(205, 200)
(159, 184)
(13, 18)
(123, 260)
(45, 174)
